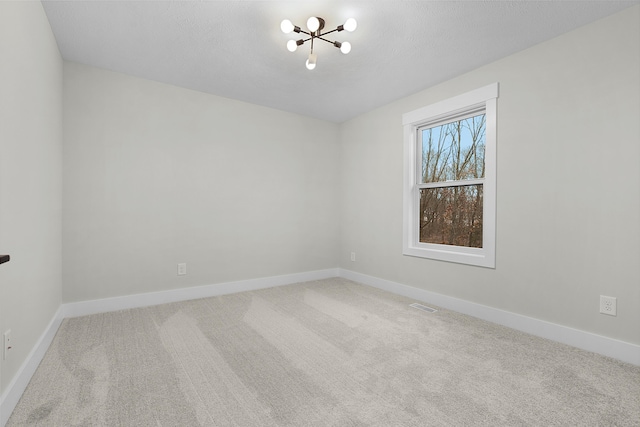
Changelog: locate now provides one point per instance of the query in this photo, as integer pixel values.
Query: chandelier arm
(329, 32)
(328, 41)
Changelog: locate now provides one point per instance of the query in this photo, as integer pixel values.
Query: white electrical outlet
(608, 305)
(353, 256)
(182, 269)
(7, 344)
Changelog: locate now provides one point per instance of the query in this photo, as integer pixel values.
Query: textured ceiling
(235, 49)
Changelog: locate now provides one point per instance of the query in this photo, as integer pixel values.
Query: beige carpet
(325, 353)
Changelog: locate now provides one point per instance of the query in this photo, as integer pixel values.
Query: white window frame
(446, 111)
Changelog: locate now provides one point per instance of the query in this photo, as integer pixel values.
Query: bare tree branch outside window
(452, 153)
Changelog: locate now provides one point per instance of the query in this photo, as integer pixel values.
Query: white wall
(155, 175)
(30, 178)
(568, 227)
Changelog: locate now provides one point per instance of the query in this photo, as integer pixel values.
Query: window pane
(454, 151)
(451, 215)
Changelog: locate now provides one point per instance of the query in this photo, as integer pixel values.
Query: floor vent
(423, 308)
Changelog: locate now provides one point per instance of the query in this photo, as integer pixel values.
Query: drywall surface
(568, 189)
(156, 175)
(30, 178)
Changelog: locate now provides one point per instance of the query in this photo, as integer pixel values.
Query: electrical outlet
(7, 344)
(353, 256)
(182, 269)
(608, 305)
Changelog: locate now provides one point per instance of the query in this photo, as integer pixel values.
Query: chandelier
(315, 26)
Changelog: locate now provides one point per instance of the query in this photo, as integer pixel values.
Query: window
(450, 179)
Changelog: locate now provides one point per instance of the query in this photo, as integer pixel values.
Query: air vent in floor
(423, 308)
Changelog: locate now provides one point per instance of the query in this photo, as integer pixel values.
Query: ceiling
(235, 49)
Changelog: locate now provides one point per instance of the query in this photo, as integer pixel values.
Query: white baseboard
(19, 383)
(610, 347)
(84, 308)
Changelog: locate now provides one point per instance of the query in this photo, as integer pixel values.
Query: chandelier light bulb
(311, 61)
(286, 26)
(292, 45)
(345, 47)
(313, 24)
(350, 25)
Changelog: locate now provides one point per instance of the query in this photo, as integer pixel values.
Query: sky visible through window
(454, 151)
